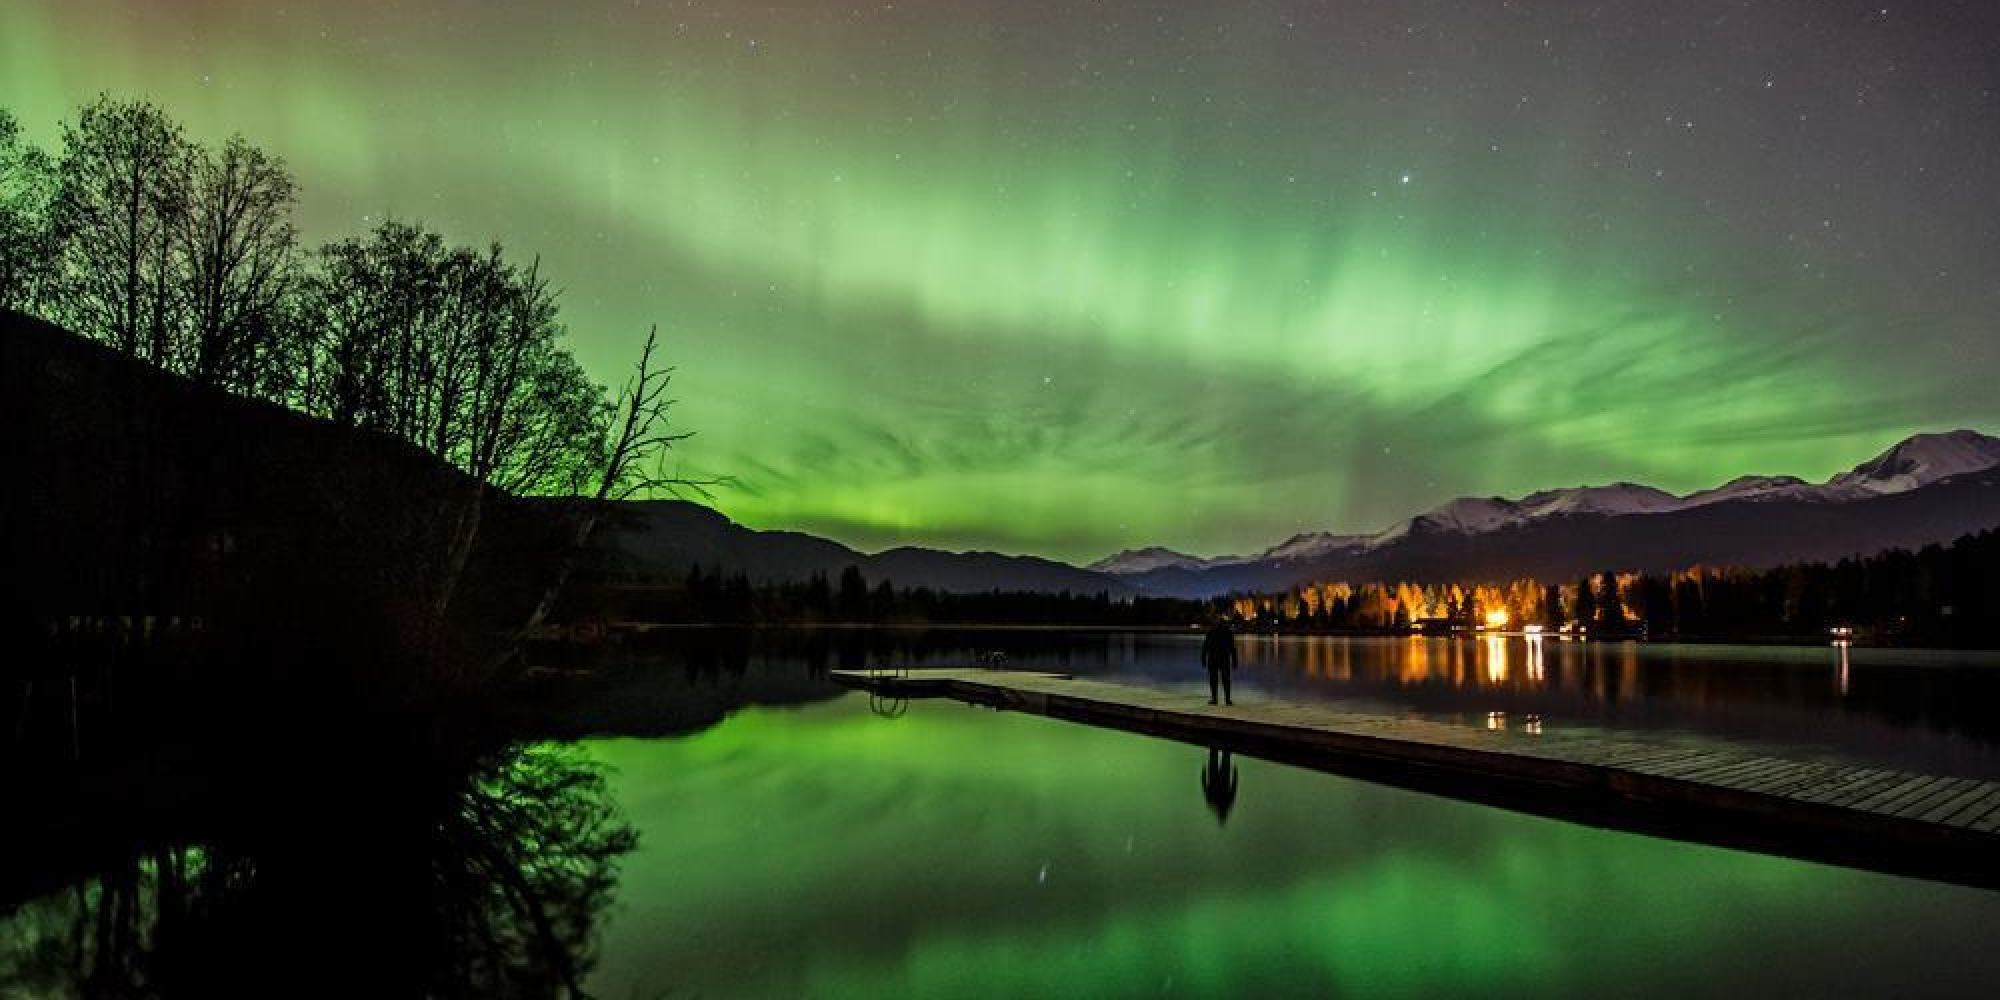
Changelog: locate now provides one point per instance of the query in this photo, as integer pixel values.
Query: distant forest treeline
(714, 596)
(1947, 594)
(1944, 594)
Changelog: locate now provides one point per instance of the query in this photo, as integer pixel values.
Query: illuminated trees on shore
(1947, 594)
(1393, 605)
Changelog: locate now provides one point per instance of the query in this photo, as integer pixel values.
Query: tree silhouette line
(714, 595)
(185, 257)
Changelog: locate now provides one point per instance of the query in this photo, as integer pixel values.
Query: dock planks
(1923, 824)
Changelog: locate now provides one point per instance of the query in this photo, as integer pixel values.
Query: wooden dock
(1926, 825)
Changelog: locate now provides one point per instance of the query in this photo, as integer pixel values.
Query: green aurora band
(1011, 277)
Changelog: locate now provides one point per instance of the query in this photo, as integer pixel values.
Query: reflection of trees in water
(486, 882)
(536, 848)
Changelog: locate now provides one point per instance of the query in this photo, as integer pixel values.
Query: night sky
(1067, 277)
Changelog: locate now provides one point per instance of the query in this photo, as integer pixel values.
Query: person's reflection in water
(1218, 783)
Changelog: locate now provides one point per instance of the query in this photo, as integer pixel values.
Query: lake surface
(1929, 710)
(849, 848)
(708, 815)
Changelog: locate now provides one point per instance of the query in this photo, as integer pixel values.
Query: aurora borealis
(1068, 277)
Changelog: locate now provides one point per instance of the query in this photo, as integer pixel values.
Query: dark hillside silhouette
(171, 494)
(655, 541)
(144, 505)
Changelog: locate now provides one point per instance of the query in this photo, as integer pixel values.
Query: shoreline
(1765, 641)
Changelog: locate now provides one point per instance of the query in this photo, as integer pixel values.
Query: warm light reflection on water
(1495, 651)
(1919, 709)
(1907, 708)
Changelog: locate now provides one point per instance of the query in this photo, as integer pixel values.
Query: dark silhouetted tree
(240, 254)
(626, 454)
(121, 200)
(458, 352)
(1655, 602)
(1610, 610)
(853, 605)
(819, 597)
(27, 187)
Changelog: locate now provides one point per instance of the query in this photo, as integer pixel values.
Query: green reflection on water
(825, 851)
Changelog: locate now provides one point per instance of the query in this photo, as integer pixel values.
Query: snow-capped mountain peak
(1921, 460)
(1617, 498)
(1916, 461)
(1465, 516)
(1469, 514)
(1146, 560)
(1478, 515)
(1310, 544)
(1751, 488)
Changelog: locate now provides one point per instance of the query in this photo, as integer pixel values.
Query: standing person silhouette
(1218, 654)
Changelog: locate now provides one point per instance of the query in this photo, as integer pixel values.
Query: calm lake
(796, 839)
(827, 845)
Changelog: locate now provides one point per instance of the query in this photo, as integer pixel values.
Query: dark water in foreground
(736, 824)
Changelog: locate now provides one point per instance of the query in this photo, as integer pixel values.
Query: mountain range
(664, 538)
(1927, 488)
